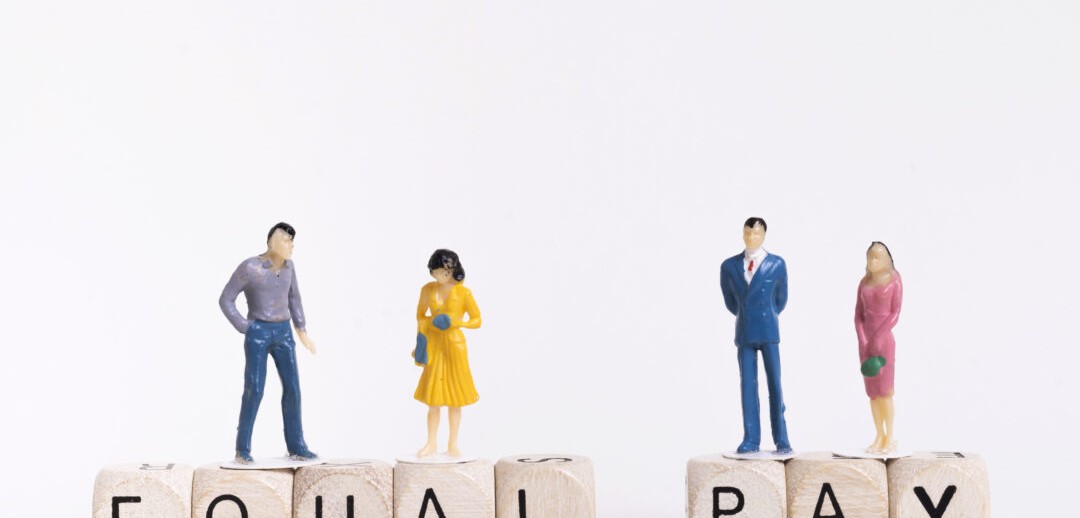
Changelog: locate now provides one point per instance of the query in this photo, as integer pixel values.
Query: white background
(592, 162)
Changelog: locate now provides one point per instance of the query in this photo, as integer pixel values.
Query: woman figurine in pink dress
(877, 310)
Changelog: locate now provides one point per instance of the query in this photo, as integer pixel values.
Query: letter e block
(361, 487)
(718, 486)
(545, 486)
(241, 493)
(939, 485)
(823, 485)
(456, 490)
(143, 489)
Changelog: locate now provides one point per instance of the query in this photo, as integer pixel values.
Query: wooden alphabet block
(823, 485)
(457, 490)
(939, 485)
(344, 488)
(719, 486)
(545, 486)
(143, 489)
(241, 493)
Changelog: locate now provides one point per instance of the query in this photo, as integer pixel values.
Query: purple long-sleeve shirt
(271, 297)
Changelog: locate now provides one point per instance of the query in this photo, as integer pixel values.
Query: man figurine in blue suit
(755, 291)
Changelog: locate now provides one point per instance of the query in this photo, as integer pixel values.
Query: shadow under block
(143, 489)
(461, 490)
(340, 489)
(939, 484)
(241, 493)
(821, 485)
(719, 486)
(545, 486)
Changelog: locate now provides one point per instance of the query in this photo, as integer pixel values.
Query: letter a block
(346, 488)
(241, 493)
(458, 490)
(143, 489)
(821, 485)
(718, 486)
(545, 486)
(939, 485)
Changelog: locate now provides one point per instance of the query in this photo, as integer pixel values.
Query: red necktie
(751, 268)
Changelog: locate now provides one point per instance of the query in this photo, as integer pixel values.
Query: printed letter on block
(360, 488)
(545, 486)
(821, 485)
(451, 490)
(718, 486)
(143, 489)
(241, 493)
(939, 485)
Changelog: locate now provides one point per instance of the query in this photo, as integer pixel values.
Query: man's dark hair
(283, 226)
(443, 258)
(750, 222)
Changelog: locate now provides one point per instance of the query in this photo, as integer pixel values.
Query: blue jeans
(770, 356)
(275, 338)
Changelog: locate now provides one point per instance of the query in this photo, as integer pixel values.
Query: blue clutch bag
(441, 321)
(420, 353)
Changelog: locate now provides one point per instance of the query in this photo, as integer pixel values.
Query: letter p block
(718, 486)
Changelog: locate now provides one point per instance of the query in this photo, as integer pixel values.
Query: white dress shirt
(757, 256)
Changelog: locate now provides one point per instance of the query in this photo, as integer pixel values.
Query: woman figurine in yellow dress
(446, 380)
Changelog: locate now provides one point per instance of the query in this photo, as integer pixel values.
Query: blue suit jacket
(756, 306)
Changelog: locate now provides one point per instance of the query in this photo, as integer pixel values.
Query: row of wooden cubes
(824, 485)
(533, 486)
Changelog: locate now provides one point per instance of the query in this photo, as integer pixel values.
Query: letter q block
(545, 486)
(241, 493)
(143, 489)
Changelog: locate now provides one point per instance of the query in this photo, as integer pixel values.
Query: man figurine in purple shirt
(273, 298)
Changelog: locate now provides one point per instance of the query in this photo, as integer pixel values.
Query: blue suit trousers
(748, 373)
(275, 339)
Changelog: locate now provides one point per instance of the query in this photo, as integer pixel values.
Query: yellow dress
(446, 380)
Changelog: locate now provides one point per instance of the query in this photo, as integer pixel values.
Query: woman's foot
(427, 450)
(453, 450)
(889, 446)
(877, 445)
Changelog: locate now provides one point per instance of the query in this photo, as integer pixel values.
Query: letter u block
(718, 486)
(241, 493)
(143, 489)
(821, 484)
(545, 486)
(939, 484)
(457, 490)
(361, 488)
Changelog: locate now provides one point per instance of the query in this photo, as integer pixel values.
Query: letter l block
(545, 486)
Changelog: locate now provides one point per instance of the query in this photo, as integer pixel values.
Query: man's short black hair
(750, 222)
(283, 226)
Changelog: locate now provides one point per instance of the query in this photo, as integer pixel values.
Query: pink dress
(877, 310)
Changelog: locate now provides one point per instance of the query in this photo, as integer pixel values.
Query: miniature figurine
(877, 309)
(446, 380)
(273, 298)
(755, 291)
